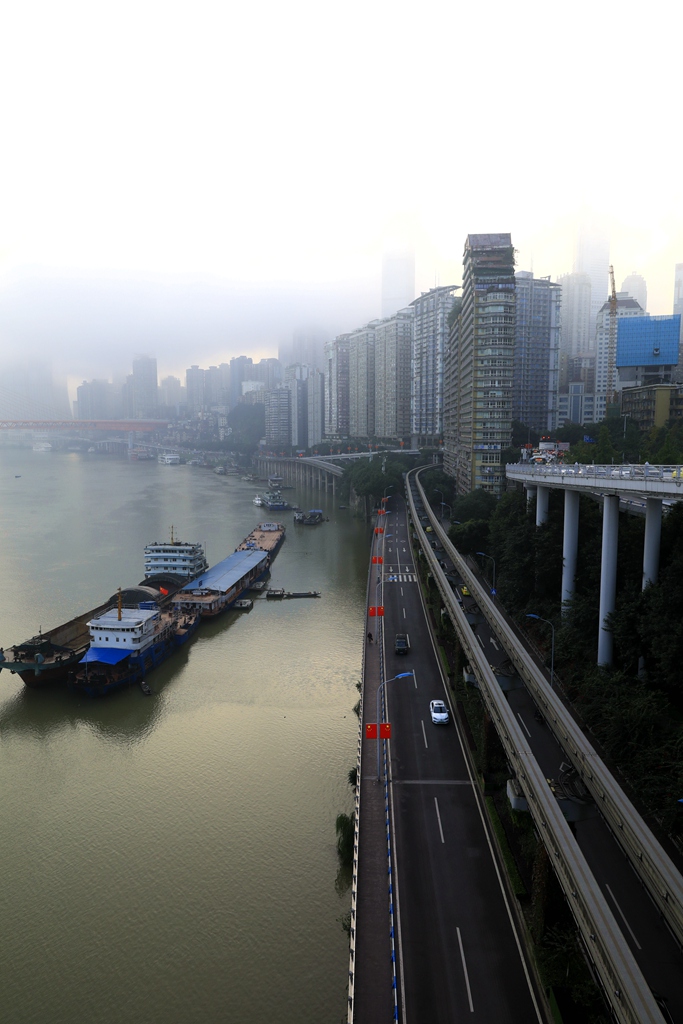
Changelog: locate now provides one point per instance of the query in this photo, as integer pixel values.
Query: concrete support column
(653, 536)
(530, 494)
(608, 575)
(570, 545)
(543, 493)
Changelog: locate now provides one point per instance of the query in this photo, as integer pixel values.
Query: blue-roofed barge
(217, 589)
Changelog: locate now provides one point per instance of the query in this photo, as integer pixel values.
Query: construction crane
(611, 389)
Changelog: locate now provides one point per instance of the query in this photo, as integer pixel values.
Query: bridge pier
(653, 536)
(608, 575)
(570, 545)
(542, 496)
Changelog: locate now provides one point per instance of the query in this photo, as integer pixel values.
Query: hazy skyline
(196, 184)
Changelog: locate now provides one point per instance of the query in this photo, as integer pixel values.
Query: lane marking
(401, 591)
(427, 782)
(404, 613)
(424, 734)
(622, 916)
(438, 818)
(415, 678)
(523, 725)
(495, 644)
(480, 641)
(464, 967)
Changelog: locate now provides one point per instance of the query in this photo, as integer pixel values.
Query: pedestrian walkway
(373, 975)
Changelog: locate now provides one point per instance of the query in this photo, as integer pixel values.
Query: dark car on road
(402, 643)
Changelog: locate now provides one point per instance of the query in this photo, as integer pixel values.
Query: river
(172, 858)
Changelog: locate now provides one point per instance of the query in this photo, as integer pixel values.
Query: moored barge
(218, 588)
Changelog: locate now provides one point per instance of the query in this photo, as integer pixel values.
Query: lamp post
(442, 501)
(540, 618)
(401, 675)
(450, 510)
(389, 488)
(493, 580)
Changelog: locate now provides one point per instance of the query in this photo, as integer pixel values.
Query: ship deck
(264, 540)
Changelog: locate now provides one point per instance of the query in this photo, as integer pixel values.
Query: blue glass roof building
(648, 340)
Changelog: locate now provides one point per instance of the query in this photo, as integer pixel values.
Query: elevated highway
(621, 977)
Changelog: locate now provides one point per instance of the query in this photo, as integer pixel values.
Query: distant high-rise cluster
(441, 369)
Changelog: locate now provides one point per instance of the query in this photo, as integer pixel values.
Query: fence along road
(625, 987)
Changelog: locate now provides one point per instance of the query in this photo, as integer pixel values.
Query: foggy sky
(198, 182)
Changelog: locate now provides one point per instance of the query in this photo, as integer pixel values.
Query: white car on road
(439, 712)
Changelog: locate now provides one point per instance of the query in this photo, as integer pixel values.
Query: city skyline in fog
(202, 188)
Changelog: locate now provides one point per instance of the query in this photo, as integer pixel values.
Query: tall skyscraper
(478, 400)
(171, 394)
(537, 350)
(398, 282)
(591, 257)
(393, 351)
(430, 334)
(362, 382)
(337, 387)
(144, 394)
(306, 346)
(678, 308)
(577, 337)
(635, 285)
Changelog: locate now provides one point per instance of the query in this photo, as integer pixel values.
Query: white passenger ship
(175, 557)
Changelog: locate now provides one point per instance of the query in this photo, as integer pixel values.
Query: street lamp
(401, 675)
(540, 618)
(389, 488)
(493, 581)
(450, 510)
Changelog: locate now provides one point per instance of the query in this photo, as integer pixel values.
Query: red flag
(380, 609)
(385, 731)
(162, 590)
(371, 731)
(379, 529)
(377, 560)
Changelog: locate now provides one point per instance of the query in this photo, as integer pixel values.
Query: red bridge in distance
(142, 425)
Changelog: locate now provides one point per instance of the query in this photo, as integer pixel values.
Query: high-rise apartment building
(171, 394)
(241, 368)
(316, 407)
(537, 350)
(278, 418)
(398, 282)
(626, 306)
(337, 387)
(635, 285)
(393, 352)
(478, 399)
(194, 388)
(362, 382)
(430, 334)
(95, 400)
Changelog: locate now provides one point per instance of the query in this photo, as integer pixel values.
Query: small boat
(245, 604)
(145, 687)
(276, 594)
(342, 506)
(258, 500)
(17, 476)
(304, 593)
(259, 585)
